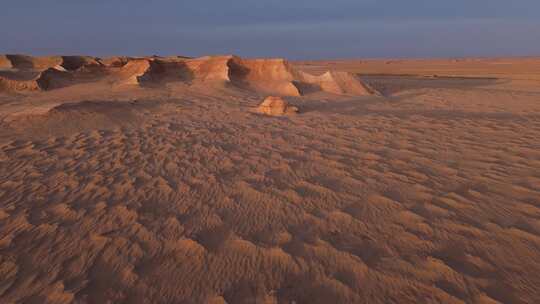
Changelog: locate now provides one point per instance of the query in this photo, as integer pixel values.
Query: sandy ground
(429, 193)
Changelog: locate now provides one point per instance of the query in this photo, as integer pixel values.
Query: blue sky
(264, 28)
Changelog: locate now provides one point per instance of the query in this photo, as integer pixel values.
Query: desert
(225, 179)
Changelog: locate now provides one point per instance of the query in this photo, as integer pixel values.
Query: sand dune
(153, 180)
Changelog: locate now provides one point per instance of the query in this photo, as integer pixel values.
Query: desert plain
(161, 180)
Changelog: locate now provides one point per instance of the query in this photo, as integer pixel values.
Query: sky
(294, 29)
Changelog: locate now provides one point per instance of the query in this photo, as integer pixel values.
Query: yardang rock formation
(266, 76)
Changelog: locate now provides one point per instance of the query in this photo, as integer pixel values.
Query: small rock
(276, 106)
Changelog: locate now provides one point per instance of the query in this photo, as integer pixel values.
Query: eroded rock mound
(113, 62)
(5, 63)
(338, 83)
(18, 85)
(210, 69)
(271, 76)
(51, 78)
(54, 78)
(131, 72)
(13, 80)
(36, 63)
(162, 71)
(266, 76)
(276, 106)
(75, 63)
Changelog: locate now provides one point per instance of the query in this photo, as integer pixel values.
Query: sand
(155, 181)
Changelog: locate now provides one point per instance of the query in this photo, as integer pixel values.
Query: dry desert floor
(178, 192)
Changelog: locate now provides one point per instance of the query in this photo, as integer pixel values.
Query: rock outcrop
(269, 76)
(338, 83)
(113, 62)
(12, 85)
(130, 73)
(265, 76)
(75, 63)
(5, 63)
(24, 62)
(276, 106)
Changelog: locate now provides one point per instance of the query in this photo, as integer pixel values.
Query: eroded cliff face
(267, 76)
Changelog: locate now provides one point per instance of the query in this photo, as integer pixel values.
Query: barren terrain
(153, 180)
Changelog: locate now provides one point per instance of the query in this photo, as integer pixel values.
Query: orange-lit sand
(155, 180)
